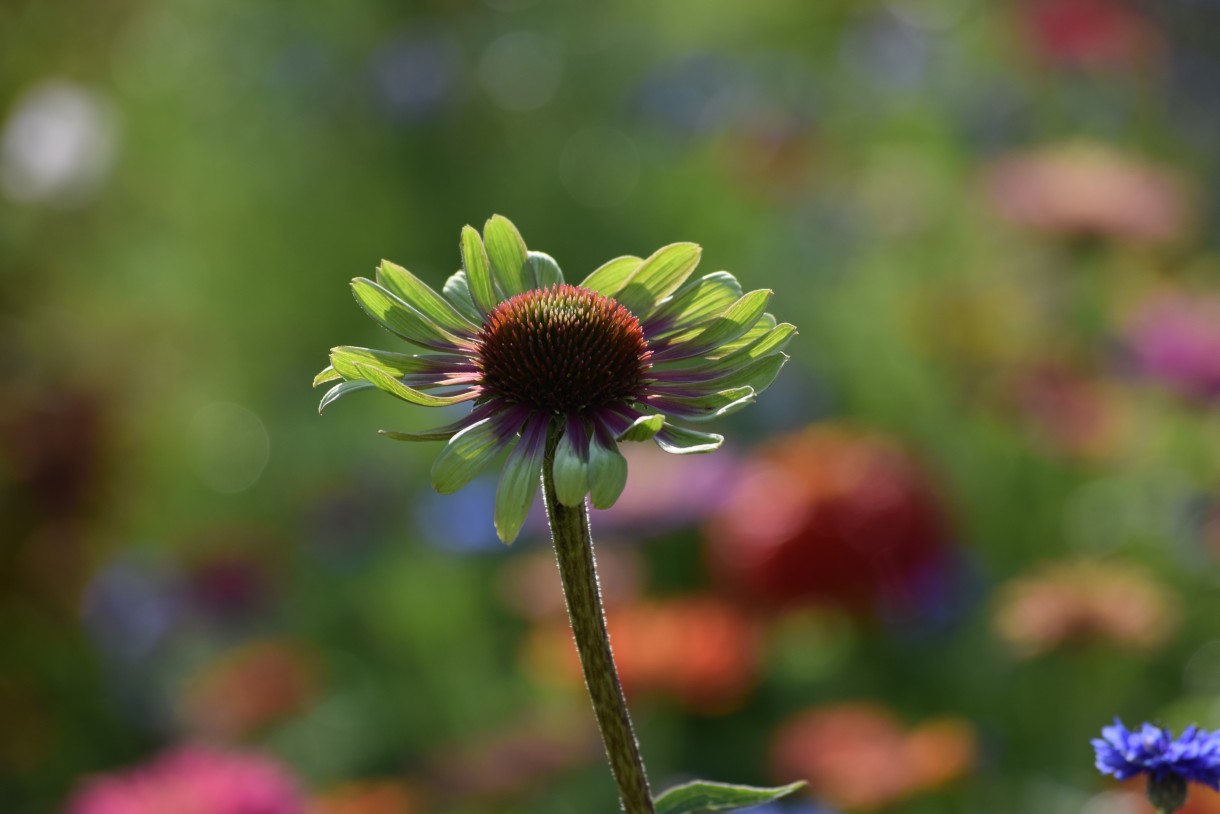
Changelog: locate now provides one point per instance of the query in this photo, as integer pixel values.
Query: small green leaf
(478, 270)
(341, 389)
(681, 441)
(466, 454)
(702, 797)
(509, 258)
(328, 374)
(657, 277)
(643, 428)
(611, 276)
(546, 270)
(607, 470)
(419, 295)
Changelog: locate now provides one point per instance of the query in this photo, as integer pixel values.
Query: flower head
(1152, 750)
(617, 358)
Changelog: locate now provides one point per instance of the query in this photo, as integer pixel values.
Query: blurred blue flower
(1152, 750)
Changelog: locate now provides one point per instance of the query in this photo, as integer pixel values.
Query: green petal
(416, 293)
(757, 374)
(509, 258)
(328, 374)
(384, 380)
(346, 358)
(702, 797)
(657, 277)
(710, 406)
(740, 317)
(612, 276)
(519, 481)
(341, 389)
(400, 318)
(457, 291)
(643, 428)
(681, 441)
(466, 454)
(705, 298)
(571, 466)
(607, 470)
(546, 270)
(441, 433)
(478, 271)
(765, 324)
(772, 340)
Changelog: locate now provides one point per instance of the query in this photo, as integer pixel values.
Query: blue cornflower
(1170, 763)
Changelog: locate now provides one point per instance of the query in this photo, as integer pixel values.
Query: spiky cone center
(562, 349)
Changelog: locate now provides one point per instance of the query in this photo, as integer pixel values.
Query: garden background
(976, 517)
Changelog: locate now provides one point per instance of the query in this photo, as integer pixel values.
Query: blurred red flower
(700, 650)
(835, 516)
(1092, 33)
(857, 755)
(249, 688)
(1084, 189)
(1085, 600)
(369, 797)
(194, 780)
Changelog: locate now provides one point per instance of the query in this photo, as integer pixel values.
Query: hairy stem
(574, 551)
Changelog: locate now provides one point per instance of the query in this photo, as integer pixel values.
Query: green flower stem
(574, 551)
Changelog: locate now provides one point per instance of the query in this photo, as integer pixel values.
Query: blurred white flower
(59, 144)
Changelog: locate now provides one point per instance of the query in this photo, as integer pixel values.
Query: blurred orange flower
(1199, 799)
(1084, 189)
(368, 797)
(833, 515)
(1084, 600)
(858, 756)
(700, 650)
(249, 688)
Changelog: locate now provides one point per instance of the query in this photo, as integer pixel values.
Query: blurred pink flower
(1087, 189)
(857, 756)
(1092, 33)
(1174, 337)
(832, 515)
(1067, 411)
(194, 780)
(1085, 600)
(700, 650)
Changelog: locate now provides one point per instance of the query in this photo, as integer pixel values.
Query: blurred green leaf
(700, 796)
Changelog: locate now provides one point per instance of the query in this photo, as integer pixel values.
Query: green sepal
(660, 275)
(401, 319)
(607, 470)
(643, 428)
(457, 291)
(478, 270)
(519, 482)
(681, 441)
(509, 258)
(420, 296)
(571, 469)
(328, 374)
(341, 389)
(466, 454)
(546, 270)
(612, 275)
(383, 380)
(702, 797)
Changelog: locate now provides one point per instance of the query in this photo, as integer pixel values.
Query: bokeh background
(977, 516)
